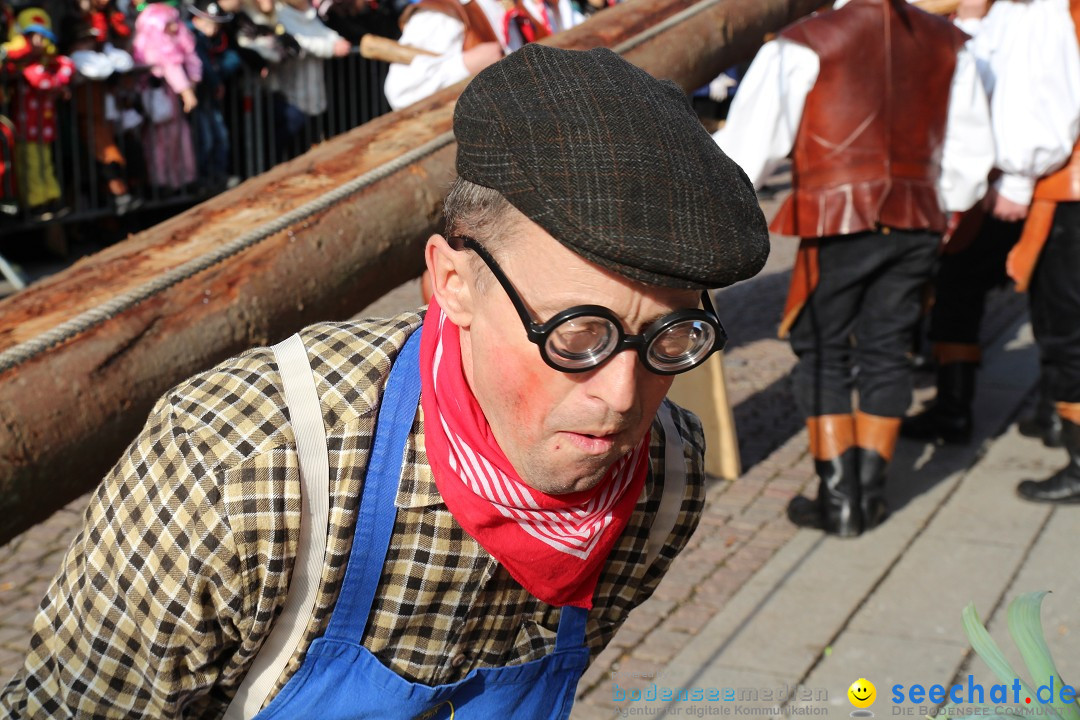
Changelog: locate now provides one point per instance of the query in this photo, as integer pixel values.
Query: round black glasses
(584, 337)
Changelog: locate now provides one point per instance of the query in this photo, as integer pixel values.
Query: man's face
(560, 431)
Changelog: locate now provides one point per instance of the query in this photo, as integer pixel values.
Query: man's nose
(616, 381)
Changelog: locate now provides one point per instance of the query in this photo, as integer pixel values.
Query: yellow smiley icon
(862, 693)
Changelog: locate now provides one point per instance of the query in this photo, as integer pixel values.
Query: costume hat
(35, 20)
(209, 10)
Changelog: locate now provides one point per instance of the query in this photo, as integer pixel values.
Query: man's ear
(450, 274)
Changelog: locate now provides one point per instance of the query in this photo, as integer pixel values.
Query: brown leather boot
(875, 436)
(836, 509)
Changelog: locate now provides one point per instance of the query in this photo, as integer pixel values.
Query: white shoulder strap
(307, 424)
(674, 486)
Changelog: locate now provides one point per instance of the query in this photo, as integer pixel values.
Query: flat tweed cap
(614, 164)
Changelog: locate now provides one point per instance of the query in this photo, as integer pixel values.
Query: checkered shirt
(169, 590)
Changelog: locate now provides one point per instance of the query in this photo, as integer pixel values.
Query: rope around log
(84, 321)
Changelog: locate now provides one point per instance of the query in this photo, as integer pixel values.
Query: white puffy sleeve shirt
(764, 118)
(1028, 58)
(437, 33)
(443, 35)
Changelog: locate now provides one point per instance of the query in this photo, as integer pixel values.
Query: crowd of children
(147, 80)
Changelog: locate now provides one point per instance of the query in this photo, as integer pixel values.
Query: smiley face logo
(862, 693)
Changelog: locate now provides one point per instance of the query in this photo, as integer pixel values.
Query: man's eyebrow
(650, 320)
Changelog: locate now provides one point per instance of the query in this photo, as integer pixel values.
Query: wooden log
(375, 47)
(938, 7)
(68, 410)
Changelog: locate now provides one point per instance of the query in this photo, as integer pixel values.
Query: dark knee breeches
(855, 331)
(964, 279)
(1055, 305)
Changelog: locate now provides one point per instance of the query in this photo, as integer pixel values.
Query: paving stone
(609, 658)
(719, 587)
(689, 618)
(11, 660)
(775, 533)
(716, 515)
(649, 614)
(924, 593)
(782, 493)
(675, 591)
(661, 645)
(990, 510)
(594, 674)
(636, 671)
(766, 506)
(602, 697)
(884, 660)
(750, 556)
(707, 558)
(629, 637)
(587, 711)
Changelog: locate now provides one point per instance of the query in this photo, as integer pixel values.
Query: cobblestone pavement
(743, 525)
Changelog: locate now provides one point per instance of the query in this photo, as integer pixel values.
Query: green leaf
(1025, 626)
(988, 650)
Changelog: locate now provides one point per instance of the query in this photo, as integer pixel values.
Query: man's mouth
(592, 444)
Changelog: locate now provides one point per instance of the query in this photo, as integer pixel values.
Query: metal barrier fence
(106, 132)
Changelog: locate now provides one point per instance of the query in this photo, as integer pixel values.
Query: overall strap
(571, 632)
(305, 416)
(375, 518)
(674, 486)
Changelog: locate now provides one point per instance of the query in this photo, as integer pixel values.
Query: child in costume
(166, 44)
(299, 83)
(219, 61)
(100, 55)
(43, 75)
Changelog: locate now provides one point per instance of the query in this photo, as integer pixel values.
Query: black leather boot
(836, 509)
(875, 439)
(1044, 423)
(948, 420)
(1064, 485)
(872, 475)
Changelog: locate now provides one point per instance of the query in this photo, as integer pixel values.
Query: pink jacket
(165, 43)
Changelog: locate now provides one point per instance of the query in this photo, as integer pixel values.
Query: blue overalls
(339, 678)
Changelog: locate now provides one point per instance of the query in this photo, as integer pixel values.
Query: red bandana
(554, 545)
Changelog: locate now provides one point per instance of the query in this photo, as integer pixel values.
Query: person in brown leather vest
(866, 200)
